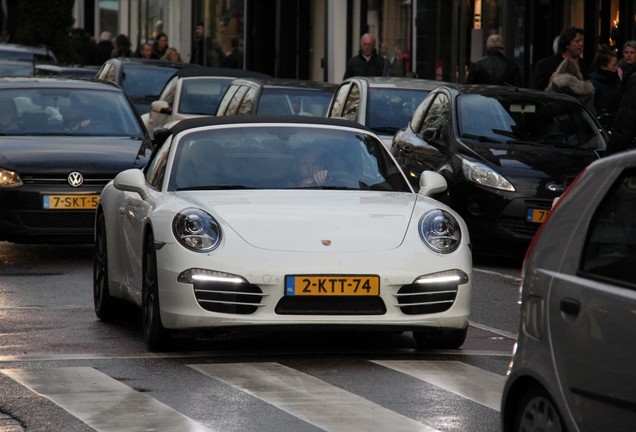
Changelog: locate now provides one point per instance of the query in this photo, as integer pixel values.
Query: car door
(592, 318)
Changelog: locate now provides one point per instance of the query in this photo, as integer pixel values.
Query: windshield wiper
(482, 138)
(215, 187)
(386, 129)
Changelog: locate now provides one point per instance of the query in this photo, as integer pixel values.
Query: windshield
(67, 111)
(283, 157)
(281, 101)
(528, 120)
(143, 82)
(202, 96)
(389, 110)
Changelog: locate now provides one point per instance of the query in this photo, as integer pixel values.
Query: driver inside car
(312, 169)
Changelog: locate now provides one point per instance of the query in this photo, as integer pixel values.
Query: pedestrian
(160, 45)
(607, 85)
(172, 55)
(103, 48)
(367, 62)
(568, 79)
(122, 47)
(235, 58)
(570, 46)
(145, 51)
(627, 64)
(200, 45)
(624, 127)
(494, 68)
(84, 48)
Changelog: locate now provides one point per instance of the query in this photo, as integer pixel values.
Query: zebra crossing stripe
(310, 399)
(102, 402)
(478, 385)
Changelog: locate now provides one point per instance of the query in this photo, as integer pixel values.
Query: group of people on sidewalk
(205, 52)
(607, 87)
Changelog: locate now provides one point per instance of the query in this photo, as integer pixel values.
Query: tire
(440, 338)
(155, 335)
(103, 303)
(537, 412)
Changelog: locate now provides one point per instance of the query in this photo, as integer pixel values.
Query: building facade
(312, 39)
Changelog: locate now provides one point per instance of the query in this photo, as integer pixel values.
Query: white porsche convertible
(286, 221)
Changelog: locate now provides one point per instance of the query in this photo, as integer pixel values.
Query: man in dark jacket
(368, 62)
(495, 68)
(624, 130)
(570, 45)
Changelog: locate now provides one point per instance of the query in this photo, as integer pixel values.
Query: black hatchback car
(505, 152)
(141, 79)
(61, 141)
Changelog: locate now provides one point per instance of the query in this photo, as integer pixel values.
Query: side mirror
(432, 183)
(161, 107)
(431, 134)
(160, 136)
(132, 180)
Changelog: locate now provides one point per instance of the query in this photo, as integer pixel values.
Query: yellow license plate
(332, 285)
(537, 215)
(63, 202)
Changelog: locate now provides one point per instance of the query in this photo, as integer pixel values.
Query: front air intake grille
(417, 299)
(341, 305)
(62, 219)
(519, 226)
(226, 297)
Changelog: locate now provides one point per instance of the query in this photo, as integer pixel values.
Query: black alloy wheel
(156, 336)
(102, 301)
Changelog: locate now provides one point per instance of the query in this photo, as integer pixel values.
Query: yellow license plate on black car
(65, 202)
(537, 215)
(332, 285)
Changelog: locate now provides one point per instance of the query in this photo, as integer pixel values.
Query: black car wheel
(440, 338)
(155, 335)
(536, 412)
(102, 300)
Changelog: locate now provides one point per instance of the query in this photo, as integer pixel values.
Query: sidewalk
(9, 424)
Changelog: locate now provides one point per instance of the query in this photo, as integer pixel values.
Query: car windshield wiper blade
(482, 138)
(509, 134)
(387, 129)
(215, 187)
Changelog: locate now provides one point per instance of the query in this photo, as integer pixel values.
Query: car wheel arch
(520, 388)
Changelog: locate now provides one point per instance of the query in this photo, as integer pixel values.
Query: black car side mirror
(160, 136)
(431, 134)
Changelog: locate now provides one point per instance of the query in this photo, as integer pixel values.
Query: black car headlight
(485, 176)
(440, 231)
(9, 179)
(196, 230)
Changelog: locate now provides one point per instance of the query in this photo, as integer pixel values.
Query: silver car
(573, 364)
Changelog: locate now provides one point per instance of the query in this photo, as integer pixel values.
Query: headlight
(485, 176)
(440, 231)
(9, 178)
(196, 230)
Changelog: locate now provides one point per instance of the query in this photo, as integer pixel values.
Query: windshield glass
(143, 82)
(283, 157)
(391, 109)
(528, 120)
(202, 96)
(279, 101)
(66, 111)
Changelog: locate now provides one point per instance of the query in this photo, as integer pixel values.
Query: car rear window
(144, 82)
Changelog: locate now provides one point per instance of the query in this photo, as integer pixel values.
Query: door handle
(570, 307)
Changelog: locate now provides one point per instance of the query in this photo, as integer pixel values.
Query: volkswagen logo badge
(75, 179)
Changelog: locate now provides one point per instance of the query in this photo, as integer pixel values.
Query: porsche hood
(307, 221)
